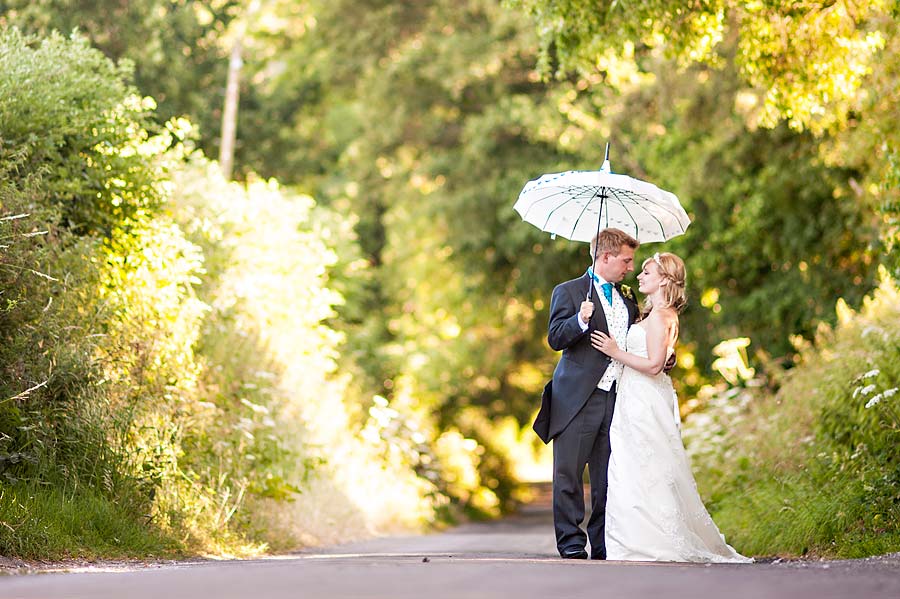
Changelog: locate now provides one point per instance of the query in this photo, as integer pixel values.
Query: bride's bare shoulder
(663, 318)
(664, 315)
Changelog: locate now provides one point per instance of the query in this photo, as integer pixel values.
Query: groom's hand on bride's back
(670, 363)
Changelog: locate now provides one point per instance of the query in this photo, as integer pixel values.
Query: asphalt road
(511, 558)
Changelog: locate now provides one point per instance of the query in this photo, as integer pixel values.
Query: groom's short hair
(611, 241)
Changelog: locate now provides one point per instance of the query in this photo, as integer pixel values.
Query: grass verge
(40, 522)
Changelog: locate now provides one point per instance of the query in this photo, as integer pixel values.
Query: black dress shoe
(573, 554)
(601, 556)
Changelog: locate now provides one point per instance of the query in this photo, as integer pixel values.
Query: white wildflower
(870, 374)
(874, 401)
(883, 395)
(863, 390)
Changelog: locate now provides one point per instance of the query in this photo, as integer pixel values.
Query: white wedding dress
(653, 509)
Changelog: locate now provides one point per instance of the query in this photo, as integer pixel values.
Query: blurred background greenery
(347, 338)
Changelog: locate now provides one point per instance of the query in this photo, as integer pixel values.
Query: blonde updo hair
(671, 268)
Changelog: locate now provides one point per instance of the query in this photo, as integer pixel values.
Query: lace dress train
(653, 509)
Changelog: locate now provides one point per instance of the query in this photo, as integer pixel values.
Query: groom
(578, 416)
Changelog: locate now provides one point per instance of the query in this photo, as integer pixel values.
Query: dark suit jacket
(581, 366)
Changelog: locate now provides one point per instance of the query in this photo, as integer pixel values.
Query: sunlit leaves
(80, 125)
(575, 32)
(176, 48)
(808, 59)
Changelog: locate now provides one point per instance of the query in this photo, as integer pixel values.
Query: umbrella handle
(590, 295)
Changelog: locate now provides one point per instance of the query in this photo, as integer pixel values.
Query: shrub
(68, 115)
(284, 422)
(98, 374)
(813, 468)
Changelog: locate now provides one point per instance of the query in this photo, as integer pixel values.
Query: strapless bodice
(636, 342)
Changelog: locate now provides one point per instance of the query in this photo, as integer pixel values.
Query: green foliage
(770, 248)
(432, 211)
(813, 469)
(261, 246)
(80, 127)
(445, 182)
(809, 59)
(177, 48)
(574, 32)
(105, 363)
(96, 368)
(871, 144)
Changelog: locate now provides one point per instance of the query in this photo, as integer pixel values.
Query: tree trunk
(232, 94)
(229, 115)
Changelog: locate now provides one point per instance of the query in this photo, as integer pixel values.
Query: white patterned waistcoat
(617, 323)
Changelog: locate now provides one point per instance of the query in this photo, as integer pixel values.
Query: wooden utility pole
(232, 95)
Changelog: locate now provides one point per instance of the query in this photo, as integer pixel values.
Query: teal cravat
(607, 291)
(606, 287)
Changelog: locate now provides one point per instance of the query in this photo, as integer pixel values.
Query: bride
(653, 509)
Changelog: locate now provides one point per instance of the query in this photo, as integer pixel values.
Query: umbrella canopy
(577, 204)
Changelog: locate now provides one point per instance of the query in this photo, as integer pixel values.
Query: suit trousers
(585, 441)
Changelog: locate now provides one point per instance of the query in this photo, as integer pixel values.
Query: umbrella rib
(570, 199)
(637, 204)
(637, 201)
(661, 206)
(548, 197)
(539, 200)
(636, 227)
(586, 204)
(552, 212)
(626, 202)
(605, 199)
